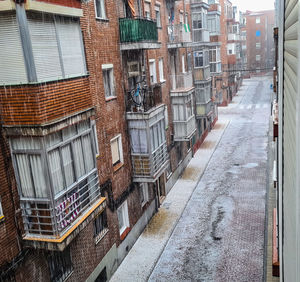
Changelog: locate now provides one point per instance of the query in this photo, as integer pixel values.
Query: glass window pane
(88, 152)
(78, 158)
(68, 164)
(38, 176)
(24, 175)
(55, 171)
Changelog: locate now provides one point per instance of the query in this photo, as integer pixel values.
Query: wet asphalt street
(220, 235)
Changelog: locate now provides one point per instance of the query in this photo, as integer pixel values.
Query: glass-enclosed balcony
(203, 99)
(202, 73)
(179, 35)
(233, 37)
(203, 110)
(180, 82)
(58, 184)
(183, 115)
(138, 33)
(148, 143)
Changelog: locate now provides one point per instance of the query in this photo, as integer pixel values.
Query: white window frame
(152, 71)
(144, 191)
(94, 128)
(158, 15)
(257, 20)
(109, 90)
(102, 17)
(123, 211)
(120, 148)
(257, 45)
(257, 58)
(147, 9)
(161, 70)
(183, 63)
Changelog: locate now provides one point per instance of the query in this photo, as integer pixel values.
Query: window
(95, 137)
(116, 150)
(199, 20)
(102, 277)
(257, 20)
(100, 9)
(182, 112)
(257, 45)
(157, 14)
(123, 217)
(166, 117)
(152, 67)
(157, 135)
(183, 63)
(257, 57)
(108, 80)
(56, 43)
(201, 58)
(60, 265)
(230, 52)
(147, 10)
(161, 69)
(213, 24)
(144, 193)
(100, 226)
(215, 59)
(1, 210)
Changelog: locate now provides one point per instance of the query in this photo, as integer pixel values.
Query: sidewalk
(142, 258)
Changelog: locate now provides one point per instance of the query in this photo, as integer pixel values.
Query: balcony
(183, 114)
(52, 223)
(202, 73)
(181, 82)
(138, 33)
(203, 110)
(200, 36)
(148, 143)
(199, 3)
(233, 37)
(179, 36)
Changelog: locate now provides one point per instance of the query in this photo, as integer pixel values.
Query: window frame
(257, 20)
(123, 210)
(144, 193)
(118, 138)
(104, 9)
(152, 71)
(257, 58)
(257, 45)
(1, 210)
(161, 69)
(108, 77)
(100, 226)
(158, 15)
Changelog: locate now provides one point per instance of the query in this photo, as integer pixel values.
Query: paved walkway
(142, 258)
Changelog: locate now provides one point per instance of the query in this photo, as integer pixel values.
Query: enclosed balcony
(148, 143)
(138, 33)
(179, 35)
(183, 114)
(181, 82)
(202, 73)
(58, 184)
(204, 110)
(203, 99)
(233, 37)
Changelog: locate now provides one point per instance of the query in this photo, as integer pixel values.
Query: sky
(253, 5)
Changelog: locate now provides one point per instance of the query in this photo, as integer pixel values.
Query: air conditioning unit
(133, 69)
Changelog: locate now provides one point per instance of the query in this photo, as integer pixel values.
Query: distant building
(260, 43)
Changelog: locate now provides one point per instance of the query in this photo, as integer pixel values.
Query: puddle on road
(159, 223)
(190, 173)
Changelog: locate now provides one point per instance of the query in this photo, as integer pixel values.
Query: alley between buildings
(219, 236)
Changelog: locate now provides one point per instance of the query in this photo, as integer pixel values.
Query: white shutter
(12, 66)
(290, 144)
(69, 34)
(115, 151)
(45, 48)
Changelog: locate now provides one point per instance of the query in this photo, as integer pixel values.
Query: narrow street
(216, 230)
(220, 236)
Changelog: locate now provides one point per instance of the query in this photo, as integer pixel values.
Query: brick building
(260, 44)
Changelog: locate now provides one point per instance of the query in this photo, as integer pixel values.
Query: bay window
(213, 24)
(215, 59)
(56, 174)
(201, 58)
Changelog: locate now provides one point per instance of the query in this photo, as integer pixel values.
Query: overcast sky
(254, 5)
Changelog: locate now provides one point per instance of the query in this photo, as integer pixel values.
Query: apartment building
(260, 44)
(97, 120)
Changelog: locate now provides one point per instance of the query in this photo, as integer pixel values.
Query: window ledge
(100, 236)
(124, 233)
(102, 19)
(118, 166)
(110, 98)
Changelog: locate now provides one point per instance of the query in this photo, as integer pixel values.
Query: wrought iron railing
(137, 30)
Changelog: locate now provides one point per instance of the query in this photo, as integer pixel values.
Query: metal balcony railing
(181, 81)
(179, 33)
(53, 217)
(137, 30)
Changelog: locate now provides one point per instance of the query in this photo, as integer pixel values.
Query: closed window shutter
(71, 46)
(12, 66)
(115, 151)
(45, 48)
